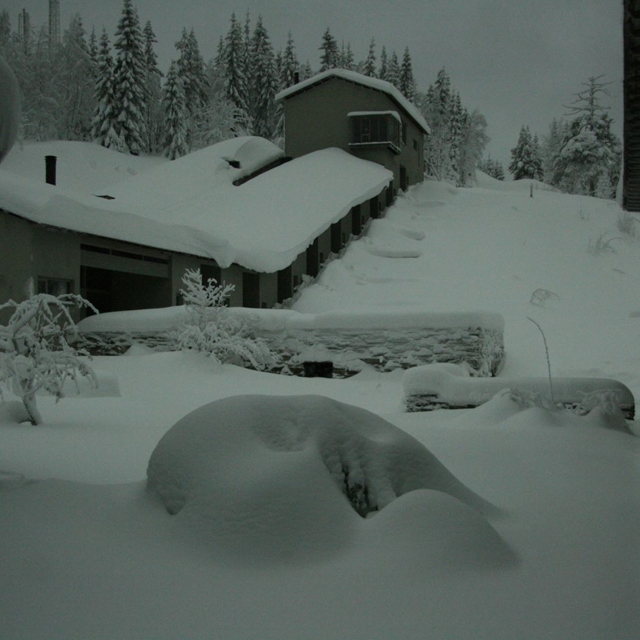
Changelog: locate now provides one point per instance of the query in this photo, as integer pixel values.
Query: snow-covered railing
(350, 340)
(442, 386)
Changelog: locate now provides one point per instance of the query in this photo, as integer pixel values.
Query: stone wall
(352, 342)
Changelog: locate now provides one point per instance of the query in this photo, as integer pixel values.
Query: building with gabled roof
(364, 116)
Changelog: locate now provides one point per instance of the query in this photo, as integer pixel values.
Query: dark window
(55, 286)
(210, 272)
(375, 128)
(404, 133)
(415, 144)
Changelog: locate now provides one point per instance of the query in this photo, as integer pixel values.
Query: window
(404, 133)
(376, 128)
(55, 286)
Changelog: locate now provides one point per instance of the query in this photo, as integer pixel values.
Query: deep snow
(88, 553)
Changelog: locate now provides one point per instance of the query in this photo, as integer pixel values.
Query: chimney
(50, 163)
(296, 77)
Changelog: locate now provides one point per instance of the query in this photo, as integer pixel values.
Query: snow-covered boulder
(281, 475)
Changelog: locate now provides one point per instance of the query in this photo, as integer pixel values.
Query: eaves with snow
(192, 206)
(365, 81)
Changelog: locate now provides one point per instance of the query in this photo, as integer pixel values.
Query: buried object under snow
(285, 472)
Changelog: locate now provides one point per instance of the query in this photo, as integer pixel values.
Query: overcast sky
(517, 61)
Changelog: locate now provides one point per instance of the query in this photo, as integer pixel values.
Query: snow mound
(281, 476)
(450, 384)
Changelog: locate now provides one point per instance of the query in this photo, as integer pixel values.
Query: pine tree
(175, 115)
(153, 88)
(290, 66)
(306, 71)
(384, 64)
(523, 160)
(76, 82)
(473, 140)
(235, 83)
(407, 81)
(347, 59)
(369, 67)
(104, 126)
(129, 81)
(590, 155)
(289, 72)
(393, 71)
(437, 109)
(330, 58)
(263, 82)
(93, 52)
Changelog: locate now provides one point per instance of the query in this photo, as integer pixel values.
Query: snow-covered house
(364, 116)
(237, 210)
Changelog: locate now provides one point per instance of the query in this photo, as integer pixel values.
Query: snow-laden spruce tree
(212, 330)
(129, 81)
(330, 56)
(393, 70)
(369, 65)
(407, 81)
(263, 83)
(153, 88)
(35, 353)
(525, 157)
(589, 158)
(384, 64)
(176, 115)
(236, 88)
(77, 83)
(104, 128)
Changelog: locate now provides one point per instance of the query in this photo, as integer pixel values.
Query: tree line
(88, 88)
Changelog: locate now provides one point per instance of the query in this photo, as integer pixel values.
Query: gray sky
(517, 61)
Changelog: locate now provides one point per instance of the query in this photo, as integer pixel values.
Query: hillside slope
(556, 258)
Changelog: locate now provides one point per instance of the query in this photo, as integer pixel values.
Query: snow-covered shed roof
(365, 81)
(192, 206)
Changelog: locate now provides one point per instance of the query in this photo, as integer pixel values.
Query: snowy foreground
(502, 522)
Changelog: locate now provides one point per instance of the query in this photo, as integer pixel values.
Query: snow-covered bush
(35, 353)
(211, 329)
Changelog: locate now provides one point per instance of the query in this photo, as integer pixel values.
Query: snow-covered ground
(547, 548)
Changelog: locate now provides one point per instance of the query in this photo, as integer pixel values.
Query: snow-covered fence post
(35, 352)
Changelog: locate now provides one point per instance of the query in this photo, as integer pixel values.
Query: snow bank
(450, 385)
(284, 475)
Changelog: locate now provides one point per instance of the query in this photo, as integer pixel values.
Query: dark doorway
(313, 259)
(251, 289)
(336, 236)
(356, 221)
(285, 286)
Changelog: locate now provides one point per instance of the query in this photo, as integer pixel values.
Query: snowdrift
(286, 477)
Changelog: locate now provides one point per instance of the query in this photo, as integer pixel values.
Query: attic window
(234, 163)
(375, 128)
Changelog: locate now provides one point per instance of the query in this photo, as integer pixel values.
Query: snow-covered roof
(365, 81)
(356, 114)
(191, 205)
